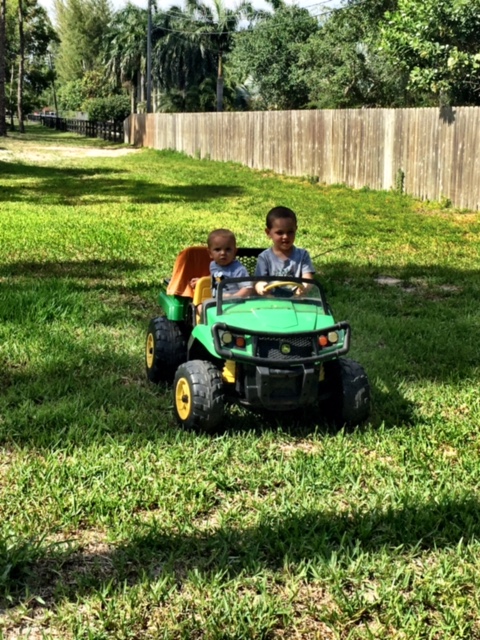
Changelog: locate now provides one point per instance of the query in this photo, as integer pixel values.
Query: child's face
(222, 250)
(282, 233)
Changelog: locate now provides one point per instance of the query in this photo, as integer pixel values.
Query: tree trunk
(131, 90)
(220, 84)
(3, 47)
(149, 59)
(53, 84)
(10, 97)
(21, 67)
(141, 88)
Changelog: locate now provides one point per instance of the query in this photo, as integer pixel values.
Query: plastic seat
(203, 290)
(193, 262)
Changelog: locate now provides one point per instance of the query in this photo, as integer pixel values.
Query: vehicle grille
(270, 347)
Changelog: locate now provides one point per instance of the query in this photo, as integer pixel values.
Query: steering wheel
(274, 285)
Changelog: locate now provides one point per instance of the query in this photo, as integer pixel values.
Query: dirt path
(14, 150)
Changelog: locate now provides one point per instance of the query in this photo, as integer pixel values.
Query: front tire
(165, 350)
(349, 402)
(198, 395)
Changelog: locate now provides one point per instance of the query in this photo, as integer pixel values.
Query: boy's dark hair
(280, 212)
(226, 233)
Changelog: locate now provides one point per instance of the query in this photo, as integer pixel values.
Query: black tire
(198, 395)
(165, 350)
(349, 401)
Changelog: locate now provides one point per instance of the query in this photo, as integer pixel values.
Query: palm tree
(126, 49)
(191, 44)
(216, 26)
(181, 61)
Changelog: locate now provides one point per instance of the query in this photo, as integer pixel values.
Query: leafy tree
(202, 97)
(343, 67)
(73, 95)
(369, 12)
(40, 37)
(436, 43)
(30, 35)
(267, 55)
(81, 27)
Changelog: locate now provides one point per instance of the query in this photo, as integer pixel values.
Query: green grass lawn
(117, 524)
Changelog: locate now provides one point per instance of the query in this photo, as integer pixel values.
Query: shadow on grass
(68, 269)
(59, 377)
(59, 572)
(423, 324)
(69, 186)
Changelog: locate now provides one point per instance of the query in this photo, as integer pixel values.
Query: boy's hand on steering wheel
(260, 288)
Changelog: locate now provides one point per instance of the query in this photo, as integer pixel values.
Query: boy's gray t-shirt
(233, 270)
(298, 264)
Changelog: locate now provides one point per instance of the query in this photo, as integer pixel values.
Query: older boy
(283, 258)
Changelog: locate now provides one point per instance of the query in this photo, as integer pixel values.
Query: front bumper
(280, 351)
(279, 389)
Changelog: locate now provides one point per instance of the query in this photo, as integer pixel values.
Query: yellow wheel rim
(183, 398)
(149, 348)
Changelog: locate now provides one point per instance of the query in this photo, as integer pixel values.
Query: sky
(315, 6)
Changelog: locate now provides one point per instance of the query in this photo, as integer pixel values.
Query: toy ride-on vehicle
(279, 351)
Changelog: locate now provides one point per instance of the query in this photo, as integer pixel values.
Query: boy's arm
(302, 290)
(261, 270)
(308, 270)
(244, 290)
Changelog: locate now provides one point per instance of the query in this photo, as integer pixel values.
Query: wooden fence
(113, 131)
(429, 153)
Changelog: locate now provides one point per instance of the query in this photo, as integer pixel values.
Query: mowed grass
(117, 524)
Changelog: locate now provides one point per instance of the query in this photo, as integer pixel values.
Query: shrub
(115, 108)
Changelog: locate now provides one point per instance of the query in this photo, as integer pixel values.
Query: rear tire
(165, 350)
(198, 395)
(349, 402)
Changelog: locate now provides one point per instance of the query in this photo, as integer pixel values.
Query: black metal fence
(106, 130)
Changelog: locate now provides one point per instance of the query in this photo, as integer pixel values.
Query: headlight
(230, 340)
(227, 337)
(327, 340)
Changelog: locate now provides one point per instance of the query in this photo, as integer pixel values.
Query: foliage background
(207, 56)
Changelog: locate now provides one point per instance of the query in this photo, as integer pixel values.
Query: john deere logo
(285, 348)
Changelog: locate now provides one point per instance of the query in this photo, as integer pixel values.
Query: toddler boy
(222, 247)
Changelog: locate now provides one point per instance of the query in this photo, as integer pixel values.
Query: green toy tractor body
(280, 351)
